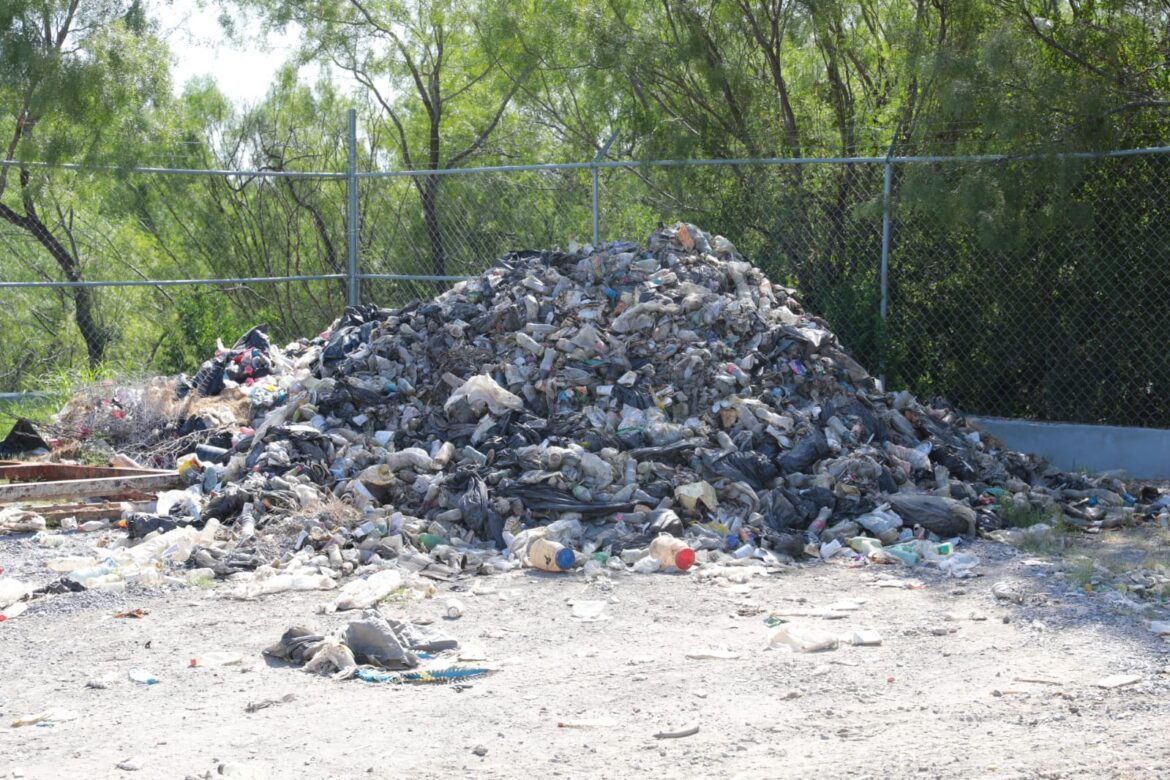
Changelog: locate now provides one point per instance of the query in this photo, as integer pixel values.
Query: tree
(77, 83)
(428, 72)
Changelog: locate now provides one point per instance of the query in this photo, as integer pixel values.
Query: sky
(200, 48)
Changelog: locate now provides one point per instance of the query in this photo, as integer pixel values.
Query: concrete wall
(1141, 452)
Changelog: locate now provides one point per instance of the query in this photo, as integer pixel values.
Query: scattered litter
(692, 731)
(472, 653)
(439, 675)
(802, 640)
(46, 718)
(1037, 680)
(713, 654)
(865, 639)
(12, 591)
(364, 593)
(1118, 681)
(140, 675)
(588, 723)
(1007, 591)
(283, 583)
(13, 611)
(264, 704)
(217, 658)
(589, 611)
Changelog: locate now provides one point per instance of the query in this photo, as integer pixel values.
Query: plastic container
(547, 555)
(669, 551)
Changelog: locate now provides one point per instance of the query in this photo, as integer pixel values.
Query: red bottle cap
(684, 558)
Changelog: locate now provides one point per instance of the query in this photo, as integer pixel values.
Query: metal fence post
(884, 306)
(885, 280)
(596, 206)
(353, 283)
(594, 166)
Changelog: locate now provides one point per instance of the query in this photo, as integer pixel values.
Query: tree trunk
(96, 339)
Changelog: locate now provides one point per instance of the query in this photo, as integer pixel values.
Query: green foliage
(1013, 516)
(199, 320)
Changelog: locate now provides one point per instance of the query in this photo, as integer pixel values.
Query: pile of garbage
(567, 409)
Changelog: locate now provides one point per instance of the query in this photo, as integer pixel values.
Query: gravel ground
(964, 684)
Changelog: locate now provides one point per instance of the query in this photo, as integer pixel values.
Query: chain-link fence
(1026, 287)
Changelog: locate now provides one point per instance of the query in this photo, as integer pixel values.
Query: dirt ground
(964, 684)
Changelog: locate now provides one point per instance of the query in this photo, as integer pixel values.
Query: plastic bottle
(13, 610)
(864, 545)
(49, 540)
(95, 576)
(246, 523)
(821, 521)
(669, 551)
(430, 541)
(216, 658)
(142, 676)
(547, 555)
(71, 563)
(905, 553)
(546, 362)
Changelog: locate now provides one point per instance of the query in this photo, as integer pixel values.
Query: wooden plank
(85, 488)
(54, 472)
(82, 512)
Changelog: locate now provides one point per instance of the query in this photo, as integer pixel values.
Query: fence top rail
(174, 282)
(602, 164)
(732, 161)
(137, 169)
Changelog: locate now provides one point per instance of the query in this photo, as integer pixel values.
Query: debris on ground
(375, 648)
(657, 408)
